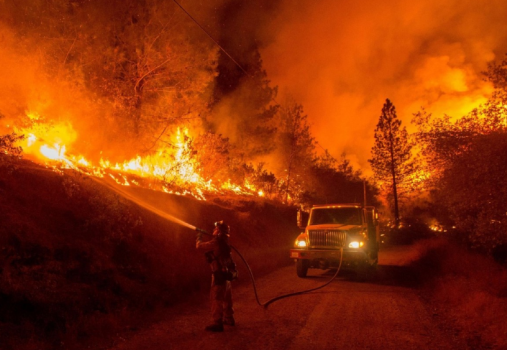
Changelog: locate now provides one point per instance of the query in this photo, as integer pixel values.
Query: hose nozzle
(200, 230)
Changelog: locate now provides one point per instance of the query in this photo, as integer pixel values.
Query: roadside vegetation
(455, 177)
(80, 264)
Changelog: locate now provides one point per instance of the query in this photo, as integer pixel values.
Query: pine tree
(296, 146)
(391, 153)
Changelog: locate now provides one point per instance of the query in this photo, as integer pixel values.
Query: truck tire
(302, 267)
(363, 272)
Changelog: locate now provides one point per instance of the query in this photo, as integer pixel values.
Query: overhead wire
(209, 35)
(215, 41)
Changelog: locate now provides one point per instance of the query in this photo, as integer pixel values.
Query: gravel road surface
(385, 312)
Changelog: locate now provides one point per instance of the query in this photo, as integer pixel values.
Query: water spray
(145, 205)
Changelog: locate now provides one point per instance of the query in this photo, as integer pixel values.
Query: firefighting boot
(215, 327)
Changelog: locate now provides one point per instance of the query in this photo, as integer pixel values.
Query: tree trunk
(395, 197)
(395, 192)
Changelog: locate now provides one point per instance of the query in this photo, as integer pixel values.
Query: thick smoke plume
(342, 59)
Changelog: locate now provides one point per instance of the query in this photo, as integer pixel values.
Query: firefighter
(223, 269)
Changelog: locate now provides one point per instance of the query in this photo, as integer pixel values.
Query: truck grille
(327, 238)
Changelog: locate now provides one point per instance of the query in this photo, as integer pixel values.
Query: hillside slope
(78, 261)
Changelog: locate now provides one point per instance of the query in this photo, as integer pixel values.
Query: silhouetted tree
(296, 147)
(391, 153)
(244, 102)
(473, 188)
(244, 97)
(336, 181)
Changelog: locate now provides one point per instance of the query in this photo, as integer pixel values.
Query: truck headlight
(301, 244)
(356, 244)
(301, 240)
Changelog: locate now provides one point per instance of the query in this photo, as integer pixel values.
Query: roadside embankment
(79, 262)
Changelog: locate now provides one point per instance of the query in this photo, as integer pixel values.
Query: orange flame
(172, 166)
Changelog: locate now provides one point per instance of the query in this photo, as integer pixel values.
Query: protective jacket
(218, 255)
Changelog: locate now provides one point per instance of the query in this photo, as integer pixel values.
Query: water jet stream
(145, 205)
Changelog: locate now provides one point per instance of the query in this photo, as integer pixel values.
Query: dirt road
(383, 313)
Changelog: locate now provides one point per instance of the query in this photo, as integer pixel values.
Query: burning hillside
(172, 169)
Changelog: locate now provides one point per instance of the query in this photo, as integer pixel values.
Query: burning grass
(184, 164)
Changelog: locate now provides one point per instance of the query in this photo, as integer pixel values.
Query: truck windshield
(344, 216)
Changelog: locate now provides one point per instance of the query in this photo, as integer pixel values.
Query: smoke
(342, 59)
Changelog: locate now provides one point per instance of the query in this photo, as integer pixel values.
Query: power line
(216, 42)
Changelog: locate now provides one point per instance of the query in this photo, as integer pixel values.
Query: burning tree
(391, 154)
(135, 91)
(8, 145)
(141, 68)
(468, 165)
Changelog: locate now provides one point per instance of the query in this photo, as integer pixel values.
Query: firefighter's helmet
(222, 228)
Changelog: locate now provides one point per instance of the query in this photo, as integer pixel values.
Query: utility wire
(216, 42)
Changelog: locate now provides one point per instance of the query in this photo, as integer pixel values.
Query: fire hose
(166, 216)
(267, 303)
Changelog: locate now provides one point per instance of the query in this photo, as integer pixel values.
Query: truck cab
(329, 229)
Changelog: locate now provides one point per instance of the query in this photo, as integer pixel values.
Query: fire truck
(329, 229)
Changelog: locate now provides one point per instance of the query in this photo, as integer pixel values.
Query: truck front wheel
(302, 267)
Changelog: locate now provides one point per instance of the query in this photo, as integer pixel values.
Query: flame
(45, 140)
(170, 169)
(56, 152)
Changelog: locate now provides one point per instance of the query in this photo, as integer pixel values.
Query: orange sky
(341, 59)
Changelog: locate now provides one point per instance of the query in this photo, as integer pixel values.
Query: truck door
(373, 229)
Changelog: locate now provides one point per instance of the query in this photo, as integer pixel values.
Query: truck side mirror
(302, 219)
